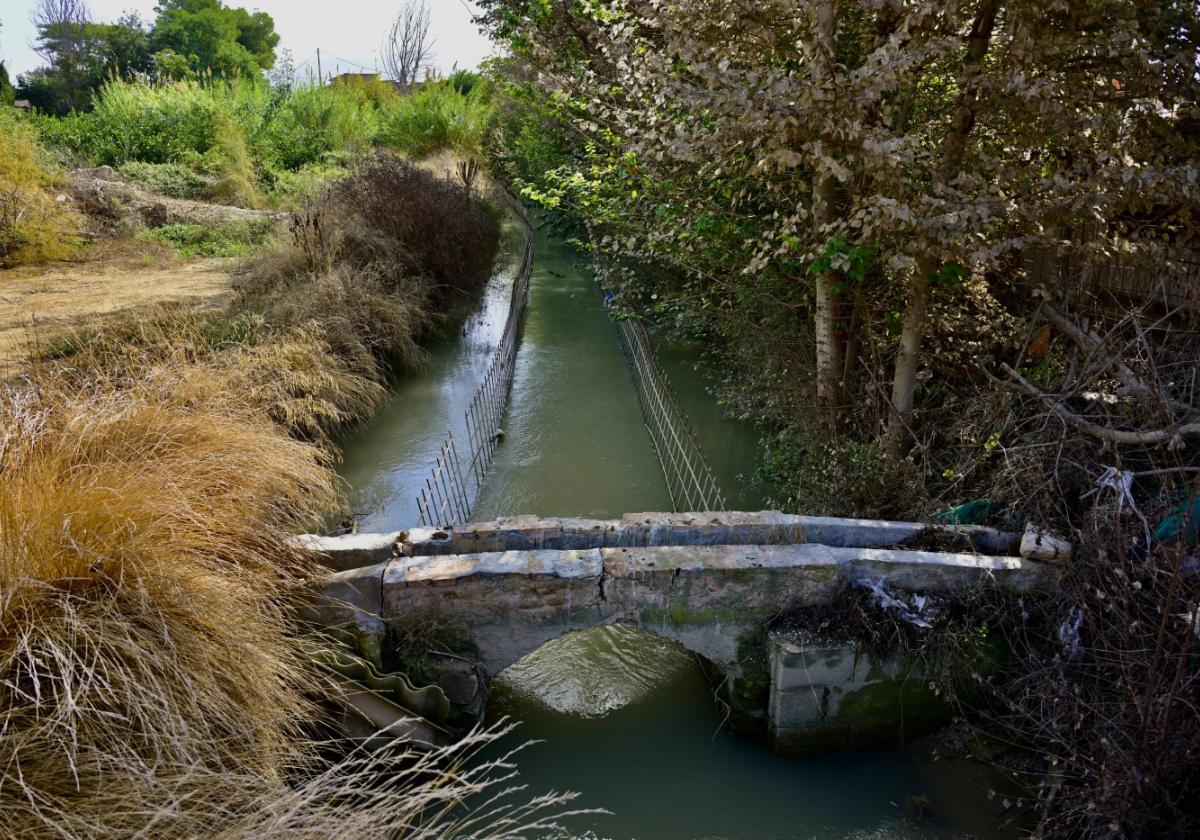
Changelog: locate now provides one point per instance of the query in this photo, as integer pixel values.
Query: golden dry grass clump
(152, 681)
(144, 640)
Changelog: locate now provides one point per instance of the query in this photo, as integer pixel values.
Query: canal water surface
(623, 718)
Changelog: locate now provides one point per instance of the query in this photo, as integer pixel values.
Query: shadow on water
(386, 462)
(730, 445)
(575, 443)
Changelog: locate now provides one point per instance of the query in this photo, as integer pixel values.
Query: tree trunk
(953, 150)
(828, 297)
(908, 358)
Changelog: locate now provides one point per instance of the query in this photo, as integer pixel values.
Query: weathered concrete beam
(352, 551)
(702, 596)
(529, 533)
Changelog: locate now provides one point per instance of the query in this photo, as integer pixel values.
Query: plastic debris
(1182, 524)
(1121, 483)
(975, 512)
(918, 611)
(1068, 634)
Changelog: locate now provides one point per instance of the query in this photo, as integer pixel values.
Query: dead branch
(1134, 385)
(1171, 437)
(408, 48)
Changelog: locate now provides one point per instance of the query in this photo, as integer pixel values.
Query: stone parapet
(649, 530)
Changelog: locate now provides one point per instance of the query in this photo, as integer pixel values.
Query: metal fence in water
(690, 480)
(450, 491)
(449, 494)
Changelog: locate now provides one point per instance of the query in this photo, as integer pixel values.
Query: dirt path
(38, 301)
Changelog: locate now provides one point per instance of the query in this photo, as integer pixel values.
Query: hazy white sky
(347, 31)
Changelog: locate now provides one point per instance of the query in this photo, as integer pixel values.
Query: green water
(386, 462)
(627, 719)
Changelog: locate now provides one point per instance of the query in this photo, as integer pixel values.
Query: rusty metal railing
(450, 491)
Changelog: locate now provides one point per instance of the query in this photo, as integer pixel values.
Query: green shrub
(236, 238)
(316, 121)
(290, 190)
(34, 224)
(231, 165)
(433, 118)
(169, 179)
(158, 123)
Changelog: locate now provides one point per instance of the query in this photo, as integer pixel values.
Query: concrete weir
(712, 582)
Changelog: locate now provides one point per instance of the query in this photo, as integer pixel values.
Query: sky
(348, 32)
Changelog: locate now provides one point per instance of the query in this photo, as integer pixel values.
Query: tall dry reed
(143, 575)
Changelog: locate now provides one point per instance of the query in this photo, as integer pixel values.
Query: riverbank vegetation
(941, 253)
(154, 675)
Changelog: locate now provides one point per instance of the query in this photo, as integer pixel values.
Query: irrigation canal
(625, 718)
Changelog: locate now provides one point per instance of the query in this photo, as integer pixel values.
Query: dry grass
(151, 682)
(302, 384)
(142, 564)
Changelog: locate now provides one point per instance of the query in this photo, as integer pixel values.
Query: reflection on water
(575, 443)
(628, 720)
(386, 462)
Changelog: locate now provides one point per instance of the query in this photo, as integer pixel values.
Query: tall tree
(62, 42)
(82, 57)
(829, 341)
(205, 36)
(951, 152)
(716, 156)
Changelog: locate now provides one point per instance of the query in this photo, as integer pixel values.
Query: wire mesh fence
(450, 491)
(690, 479)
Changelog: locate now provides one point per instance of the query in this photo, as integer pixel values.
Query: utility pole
(320, 77)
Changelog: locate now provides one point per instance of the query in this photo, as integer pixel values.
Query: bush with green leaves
(314, 122)
(235, 238)
(434, 117)
(170, 179)
(238, 141)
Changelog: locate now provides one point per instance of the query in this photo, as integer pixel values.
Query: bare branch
(1154, 437)
(1134, 385)
(408, 49)
(59, 24)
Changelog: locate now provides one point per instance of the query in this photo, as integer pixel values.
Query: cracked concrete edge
(529, 533)
(922, 570)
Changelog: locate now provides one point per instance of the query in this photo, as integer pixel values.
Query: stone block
(426, 542)
(352, 551)
(1042, 545)
(940, 571)
(587, 533)
(828, 694)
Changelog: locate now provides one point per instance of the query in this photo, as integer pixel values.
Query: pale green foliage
(35, 223)
(434, 117)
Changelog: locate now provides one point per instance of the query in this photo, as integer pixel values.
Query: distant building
(353, 78)
(368, 78)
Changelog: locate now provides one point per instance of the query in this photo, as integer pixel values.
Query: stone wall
(712, 582)
(827, 693)
(717, 600)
